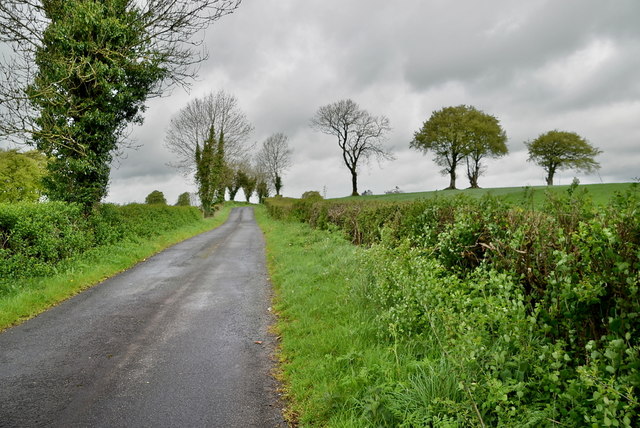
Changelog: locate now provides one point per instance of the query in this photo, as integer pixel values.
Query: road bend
(180, 340)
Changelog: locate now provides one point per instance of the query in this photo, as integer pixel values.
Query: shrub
(37, 239)
(538, 309)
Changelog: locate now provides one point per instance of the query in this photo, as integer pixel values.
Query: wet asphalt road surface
(169, 343)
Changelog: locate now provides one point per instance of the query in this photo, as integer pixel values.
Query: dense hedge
(544, 303)
(36, 238)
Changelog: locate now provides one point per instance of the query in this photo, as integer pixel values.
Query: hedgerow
(36, 239)
(536, 310)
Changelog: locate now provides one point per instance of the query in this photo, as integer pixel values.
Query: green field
(601, 193)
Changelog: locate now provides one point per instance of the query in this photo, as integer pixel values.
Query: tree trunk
(354, 183)
(473, 172)
(549, 178)
(452, 181)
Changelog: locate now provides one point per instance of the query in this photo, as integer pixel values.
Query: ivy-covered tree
(558, 150)
(205, 172)
(82, 71)
(191, 124)
(220, 171)
(262, 190)
(155, 198)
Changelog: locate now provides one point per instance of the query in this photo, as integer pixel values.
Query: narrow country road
(178, 341)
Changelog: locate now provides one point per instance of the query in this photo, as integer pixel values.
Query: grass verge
(35, 295)
(400, 334)
(331, 359)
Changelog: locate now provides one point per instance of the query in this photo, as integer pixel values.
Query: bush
(538, 309)
(36, 239)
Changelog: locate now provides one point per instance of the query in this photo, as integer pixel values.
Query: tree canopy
(82, 71)
(155, 198)
(184, 200)
(559, 150)
(21, 175)
(360, 134)
(460, 133)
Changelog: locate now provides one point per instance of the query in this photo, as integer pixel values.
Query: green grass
(35, 295)
(601, 193)
(402, 335)
(336, 369)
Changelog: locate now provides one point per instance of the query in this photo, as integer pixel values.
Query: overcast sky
(536, 65)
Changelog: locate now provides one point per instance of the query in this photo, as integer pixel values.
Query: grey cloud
(285, 58)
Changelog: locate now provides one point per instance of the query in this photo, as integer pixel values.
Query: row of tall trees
(455, 135)
(81, 72)
(210, 139)
(466, 134)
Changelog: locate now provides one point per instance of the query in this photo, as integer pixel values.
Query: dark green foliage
(37, 239)
(234, 183)
(210, 172)
(262, 189)
(536, 311)
(155, 198)
(460, 133)
(93, 79)
(277, 183)
(220, 170)
(184, 200)
(248, 184)
(558, 150)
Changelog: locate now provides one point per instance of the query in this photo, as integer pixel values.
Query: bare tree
(190, 127)
(274, 158)
(360, 134)
(170, 35)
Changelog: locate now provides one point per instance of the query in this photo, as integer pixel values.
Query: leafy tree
(560, 150)
(247, 183)
(234, 182)
(155, 198)
(486, 138)
(184, 200)
(262, 190)
(21, 175)
(220, 171)
(457, 133)
(274, 158)
(205, 172)
(82, 71)
(360, 134)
